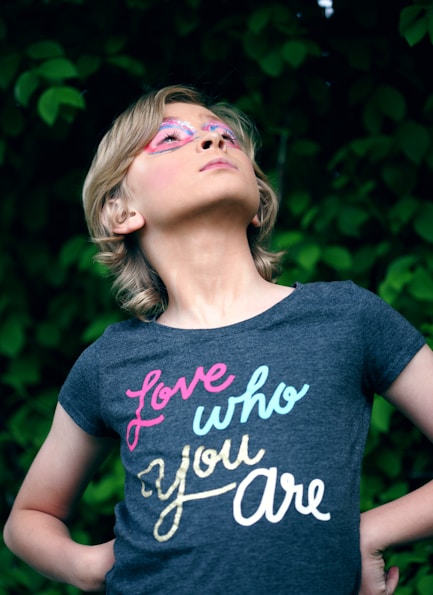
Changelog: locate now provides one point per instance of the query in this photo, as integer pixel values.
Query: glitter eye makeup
(172, 134)
(227, 133)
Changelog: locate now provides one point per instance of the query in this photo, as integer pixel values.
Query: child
(242, 406)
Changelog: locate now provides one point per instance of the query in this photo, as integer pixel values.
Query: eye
(225, 132)
(170, 136)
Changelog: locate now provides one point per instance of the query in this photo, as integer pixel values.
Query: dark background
(345, 106)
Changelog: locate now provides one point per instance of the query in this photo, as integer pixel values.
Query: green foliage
(345, 107)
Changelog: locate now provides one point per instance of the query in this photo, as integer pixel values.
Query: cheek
(146, 180)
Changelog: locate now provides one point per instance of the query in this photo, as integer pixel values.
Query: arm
(36, 529)
(409, 518)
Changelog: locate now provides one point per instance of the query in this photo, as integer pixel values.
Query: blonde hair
(137, 286)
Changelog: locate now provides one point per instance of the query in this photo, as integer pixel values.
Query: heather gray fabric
(242, 445)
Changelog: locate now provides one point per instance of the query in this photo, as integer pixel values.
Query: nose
(212, 140)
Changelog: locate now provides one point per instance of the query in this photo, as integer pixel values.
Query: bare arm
(409, 518)
(36, 529)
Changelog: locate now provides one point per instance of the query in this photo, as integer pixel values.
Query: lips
(219, 163)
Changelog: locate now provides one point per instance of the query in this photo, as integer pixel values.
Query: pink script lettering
(160, 395)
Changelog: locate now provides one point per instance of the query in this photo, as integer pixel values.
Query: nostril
(207, 144)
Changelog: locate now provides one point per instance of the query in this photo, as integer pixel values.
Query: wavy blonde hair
(137, 286)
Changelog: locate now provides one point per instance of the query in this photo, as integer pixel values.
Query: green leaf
(411, 27)
(351, 219)
(308, 255)
(400, 271)
(258, 20)
(98, 326)
(298, 202)
(423, 222)
(421, 285)
(129, 64)
(45, 49)
(414, 140)
(337, 257)
(12, 337)
(429, 18)
(71, 251)
(48, 334)
(272, 63)
(70, 96)
(51, 100)
(391, 102)
(375, 147)
(390, 463)
(57, 68)
(48, 106)
(25, 86)
(294, 52)
(381, 415)
(424, 584)
(401, 178)
(372, 117)
(87, 65)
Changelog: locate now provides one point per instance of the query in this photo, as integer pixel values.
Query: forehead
(188, 111)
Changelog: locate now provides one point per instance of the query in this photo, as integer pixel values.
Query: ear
(118, 218)
(255, 222)
(133, 222)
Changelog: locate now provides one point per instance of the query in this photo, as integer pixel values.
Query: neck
(211, 279)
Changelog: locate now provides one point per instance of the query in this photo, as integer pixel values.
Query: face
(193, 164)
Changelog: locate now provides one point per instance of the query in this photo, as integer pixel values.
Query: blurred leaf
(411, 27)
(425, 584)
(421, 286)
(381, 415)
(414, 140)
(53, 98)
(12, 336)
(351, 219)
(423, 222)
(48, 106)
(401, 178)
(71, 250)
(272, 63)
(26, 84)
(391, 102)
(129, 64)
(57, 69)
(98, 326)
(308, 255)
(337, 257)
(42, 50)
(400, 271)
(294, 52)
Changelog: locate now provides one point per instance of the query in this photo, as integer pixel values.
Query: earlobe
(133, 222)
(255, 222)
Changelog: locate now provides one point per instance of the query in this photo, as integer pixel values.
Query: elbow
(8, 534)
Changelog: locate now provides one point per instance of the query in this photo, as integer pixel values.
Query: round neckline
(240, 325)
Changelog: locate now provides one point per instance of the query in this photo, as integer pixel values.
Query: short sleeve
(390, 341)
(80, 394)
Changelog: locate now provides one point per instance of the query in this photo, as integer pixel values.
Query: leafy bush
(346, 114)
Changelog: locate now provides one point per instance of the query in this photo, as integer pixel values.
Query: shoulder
(336, 292)
(117, 338)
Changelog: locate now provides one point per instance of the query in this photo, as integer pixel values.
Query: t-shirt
(242, 445)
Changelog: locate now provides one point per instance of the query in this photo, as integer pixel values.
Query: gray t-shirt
(242, 445)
